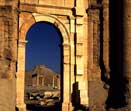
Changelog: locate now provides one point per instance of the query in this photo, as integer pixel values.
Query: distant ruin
(42, 87)
(41, 76)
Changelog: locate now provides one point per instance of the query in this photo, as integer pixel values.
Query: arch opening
(65, 60)
(44, 68)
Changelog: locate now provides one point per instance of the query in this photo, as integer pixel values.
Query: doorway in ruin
(25, 25)
(43, 63)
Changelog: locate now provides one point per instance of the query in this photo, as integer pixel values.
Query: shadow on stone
(117, 82)
(76, 99)
(16, 109)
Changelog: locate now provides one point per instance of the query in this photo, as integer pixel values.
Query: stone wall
(85, 30)
(8, 53)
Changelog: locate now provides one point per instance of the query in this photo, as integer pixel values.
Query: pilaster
(80, 92)
(94, 43)
(97, 94)
(20, 82)
(66, 105)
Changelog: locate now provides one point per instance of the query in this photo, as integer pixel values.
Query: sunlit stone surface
(96, 56)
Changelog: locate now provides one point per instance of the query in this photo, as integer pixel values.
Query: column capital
(93, 15)
(22, 43)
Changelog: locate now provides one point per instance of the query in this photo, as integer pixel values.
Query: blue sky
(43, 46)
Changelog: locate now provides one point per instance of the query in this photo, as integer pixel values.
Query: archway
(43, 66)
(24, 27)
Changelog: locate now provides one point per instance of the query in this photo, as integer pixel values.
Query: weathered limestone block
(97, 95)
(8, 54)
(79, 7)
(32, 1)
(2, 2)
(8, 42)
(7, 95)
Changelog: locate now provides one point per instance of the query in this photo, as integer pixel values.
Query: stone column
(37, 80)
(58, 83)
(20, 82)
(127, 48)
(53, 83)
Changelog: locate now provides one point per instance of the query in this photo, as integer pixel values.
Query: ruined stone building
(96, 42)
(41, 76)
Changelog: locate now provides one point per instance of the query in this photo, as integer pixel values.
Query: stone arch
(24, 26)
(33, 18)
